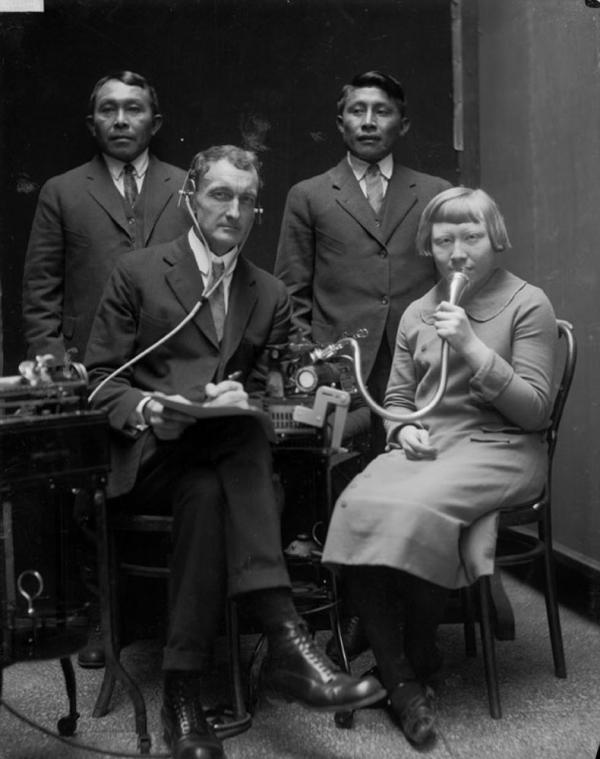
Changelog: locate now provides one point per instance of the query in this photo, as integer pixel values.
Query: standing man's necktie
(374, 185)
(129, 184)
(216, 301)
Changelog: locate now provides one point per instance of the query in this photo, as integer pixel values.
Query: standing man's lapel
(158, 189)
(350, 197)
(400, 197)
(102, 188)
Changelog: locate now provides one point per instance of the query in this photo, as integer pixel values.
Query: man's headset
(189, 188)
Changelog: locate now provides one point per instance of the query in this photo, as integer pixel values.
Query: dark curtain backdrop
(264, 73)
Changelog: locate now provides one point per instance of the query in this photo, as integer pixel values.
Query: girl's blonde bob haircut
(457, 206)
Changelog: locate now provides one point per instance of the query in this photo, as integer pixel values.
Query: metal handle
(30, 597)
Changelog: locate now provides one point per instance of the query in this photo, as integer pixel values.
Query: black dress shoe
(413, 707)
(187, 733)
(91, 656)
(354, 639)
(297, 670)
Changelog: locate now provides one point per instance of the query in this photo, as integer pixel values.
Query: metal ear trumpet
(456, 286)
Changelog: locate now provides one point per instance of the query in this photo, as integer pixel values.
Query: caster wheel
(67, 725)
(344, 720)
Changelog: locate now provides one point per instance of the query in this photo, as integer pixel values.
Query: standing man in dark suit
(347, 245)
(87, 218)
(214, 474)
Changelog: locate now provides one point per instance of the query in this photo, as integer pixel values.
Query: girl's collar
(494, 296)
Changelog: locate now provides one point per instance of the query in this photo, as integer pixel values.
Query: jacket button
(383, 253)
(384, 301)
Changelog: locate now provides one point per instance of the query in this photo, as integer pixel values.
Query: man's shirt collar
(140, 164)
(204, 255)
(359, 167)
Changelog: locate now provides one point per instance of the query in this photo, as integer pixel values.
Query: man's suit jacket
(79, 232)
(343, 271)
(148, 294)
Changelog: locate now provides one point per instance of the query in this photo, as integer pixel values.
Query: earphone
(188, 190)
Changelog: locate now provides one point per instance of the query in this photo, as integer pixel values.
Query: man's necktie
(216, 301)
(374, 185)
(129, 184)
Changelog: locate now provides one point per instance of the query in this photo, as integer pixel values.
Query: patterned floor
(543, 716)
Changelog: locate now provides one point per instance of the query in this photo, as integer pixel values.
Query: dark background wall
(539, 101)
(264, 73)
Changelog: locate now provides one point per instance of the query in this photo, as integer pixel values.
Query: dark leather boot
(187, 733)
(297, 670)
(91, 656)
(354, 639)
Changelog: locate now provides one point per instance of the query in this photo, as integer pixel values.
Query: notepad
(200, 411)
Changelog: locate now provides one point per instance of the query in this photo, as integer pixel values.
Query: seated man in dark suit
(215, 475)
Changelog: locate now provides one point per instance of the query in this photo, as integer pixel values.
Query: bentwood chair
(120, 532)
(524, 536)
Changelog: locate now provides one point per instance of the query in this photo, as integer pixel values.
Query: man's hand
(166, 423)
(226, 393)
(415, 443)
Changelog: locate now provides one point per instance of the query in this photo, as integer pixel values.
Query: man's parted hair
(386, 82)
(129, 78)
(458, 205)
(245, 160)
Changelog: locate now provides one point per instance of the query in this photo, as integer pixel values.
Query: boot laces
(315, 656)
(186, 706)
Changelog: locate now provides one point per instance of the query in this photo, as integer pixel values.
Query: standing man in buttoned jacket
(346, 265)
(86, 220)
(89, 217)
(347, 247)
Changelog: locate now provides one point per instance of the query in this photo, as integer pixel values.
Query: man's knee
(249, 430)
(197, 488)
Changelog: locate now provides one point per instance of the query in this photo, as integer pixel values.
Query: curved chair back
(566, 334)
(496, 618)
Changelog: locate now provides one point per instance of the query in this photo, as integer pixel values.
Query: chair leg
(254, 673)
(238, 705)
(335, 621)
(101, 707)
(550, 596)
(489, 650)
(67, 725)
(108, 595)
(343, 719)
(466, 597)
